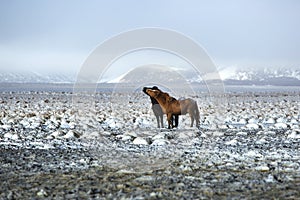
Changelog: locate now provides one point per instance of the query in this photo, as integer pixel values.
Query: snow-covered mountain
(155, 73)
(230, 76)
(266, 76)
(35, 77)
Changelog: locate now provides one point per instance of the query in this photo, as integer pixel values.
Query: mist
(55, 36)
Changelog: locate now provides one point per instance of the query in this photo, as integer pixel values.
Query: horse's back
(187, 101)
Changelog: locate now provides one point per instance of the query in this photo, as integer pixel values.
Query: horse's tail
(197, 114)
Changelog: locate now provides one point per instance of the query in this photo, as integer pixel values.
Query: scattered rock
(294, 135)
(55, 134)
(242, 134)
(262, 168)
(160, 142)
(105, 133)
(281, 126)
(41, 193)
(124, 137)
(252, 126)
(249, 153)
(12, 136)
(140, 141)
(71, 134)
(270, 133)
(218, 133)
(159, 136)
(131, 134)
(92, 135)
(233, 142)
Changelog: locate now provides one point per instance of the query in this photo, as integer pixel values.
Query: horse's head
(144, 90)
(152, 93)
(153, 88)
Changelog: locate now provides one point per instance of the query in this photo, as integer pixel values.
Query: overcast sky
(58, 35)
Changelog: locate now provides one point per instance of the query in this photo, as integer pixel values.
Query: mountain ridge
(230, 76)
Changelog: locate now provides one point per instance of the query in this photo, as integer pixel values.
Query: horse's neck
(161, 100)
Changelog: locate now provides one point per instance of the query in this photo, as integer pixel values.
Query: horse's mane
(170, 98)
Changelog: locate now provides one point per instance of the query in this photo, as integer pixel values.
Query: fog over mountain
(230, 76)
(265, 76)
(36, 77)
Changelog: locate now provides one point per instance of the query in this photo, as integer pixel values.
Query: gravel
(49, 150)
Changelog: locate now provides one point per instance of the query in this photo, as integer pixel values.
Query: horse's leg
(176, 120)
(197, 116)
(192, 118)
(158, 113)
(197, 121)
(162, 120)
(172, 120)
(157, 119)
(169, 118)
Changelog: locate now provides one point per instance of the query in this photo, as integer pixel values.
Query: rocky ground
(55, 146)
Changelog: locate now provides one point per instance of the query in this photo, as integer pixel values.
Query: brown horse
(171, 106)
(157, 109)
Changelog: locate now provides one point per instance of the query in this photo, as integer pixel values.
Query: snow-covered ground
(51, 115)
(247, 142)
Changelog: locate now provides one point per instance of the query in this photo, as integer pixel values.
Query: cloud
(44, 60)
